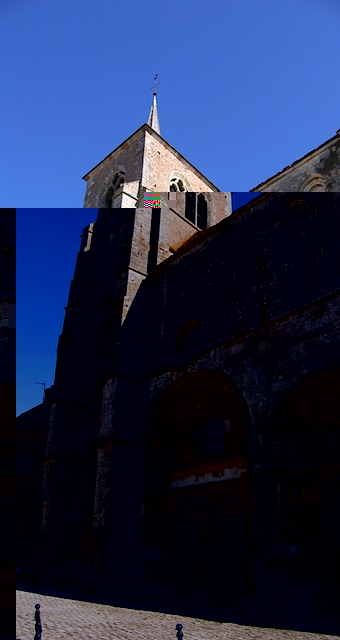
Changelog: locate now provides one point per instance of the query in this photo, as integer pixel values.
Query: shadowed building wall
(200, 425)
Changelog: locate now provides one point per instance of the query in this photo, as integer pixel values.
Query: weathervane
(155, 84)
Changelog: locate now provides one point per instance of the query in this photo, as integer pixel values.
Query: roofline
(201, 235)
(296, 162)
(179, 155)
(147, 128)
(111, 152)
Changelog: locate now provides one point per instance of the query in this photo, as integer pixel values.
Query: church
(146, 162)
(192, 451)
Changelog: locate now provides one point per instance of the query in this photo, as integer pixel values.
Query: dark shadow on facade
(185, 457)
(197, 513)
(304, 442)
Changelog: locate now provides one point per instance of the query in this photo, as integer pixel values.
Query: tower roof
(153, 120)
(141, 133)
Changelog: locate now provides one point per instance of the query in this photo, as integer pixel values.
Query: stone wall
(149, 163)
(277, 255)
(162, 162)
(127, 157)
(252, 302)
(317, 171)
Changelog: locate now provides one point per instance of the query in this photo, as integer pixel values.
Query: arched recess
(305, 446)
(112, 187)
(198, 511)
(315, 182)
(178, 182)
(201, 419)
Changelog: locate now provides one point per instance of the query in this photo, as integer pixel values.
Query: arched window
(108, 198)
(118, 180)
(177, 184)
(116, 184)
(196, 209)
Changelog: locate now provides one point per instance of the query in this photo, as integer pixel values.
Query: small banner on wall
(152, 200)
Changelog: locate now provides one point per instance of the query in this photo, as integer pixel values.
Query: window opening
(196, 209)
(190, 207)
(176, 184)
(202, 212)
(117, 182)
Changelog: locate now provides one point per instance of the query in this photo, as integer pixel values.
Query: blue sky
(246, 87)
(48, 241)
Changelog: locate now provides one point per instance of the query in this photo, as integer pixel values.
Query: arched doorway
(198, 513)
(305, 441)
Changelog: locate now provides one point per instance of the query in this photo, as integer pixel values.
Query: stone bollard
(38, 629)
(179, 633)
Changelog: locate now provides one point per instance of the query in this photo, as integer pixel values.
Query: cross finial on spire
(153, 121)
(155, 84)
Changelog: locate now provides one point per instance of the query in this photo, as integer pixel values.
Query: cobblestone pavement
(77, 620)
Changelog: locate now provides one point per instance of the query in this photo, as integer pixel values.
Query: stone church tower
(118, 252)
(143, 162)
(190, 202)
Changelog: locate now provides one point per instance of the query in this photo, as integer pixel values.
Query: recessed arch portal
(304, 448)
(198, 513)
(305, 424)
(202, 417)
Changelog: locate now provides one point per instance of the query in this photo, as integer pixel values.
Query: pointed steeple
(153, 120)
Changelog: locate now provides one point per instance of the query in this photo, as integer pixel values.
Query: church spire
(153, 120)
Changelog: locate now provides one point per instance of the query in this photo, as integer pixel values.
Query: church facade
(193, 451)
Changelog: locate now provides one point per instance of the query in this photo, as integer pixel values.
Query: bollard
(179, 633)
(38, 629)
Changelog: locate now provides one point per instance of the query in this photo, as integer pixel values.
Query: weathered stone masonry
(241, 320)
